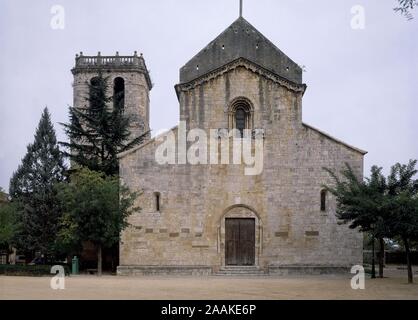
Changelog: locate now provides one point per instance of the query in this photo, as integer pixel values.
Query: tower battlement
(121, 63)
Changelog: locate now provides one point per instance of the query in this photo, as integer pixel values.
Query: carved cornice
(241, 62)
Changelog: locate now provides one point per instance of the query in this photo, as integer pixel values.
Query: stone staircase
(240, 271)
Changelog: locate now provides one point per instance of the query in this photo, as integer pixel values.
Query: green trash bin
(74, 265)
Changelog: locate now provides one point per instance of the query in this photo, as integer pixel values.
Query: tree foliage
(403, 205)
(96, 209)
(8, 224)
(385, 207)
(360, 203)
(3, 195)
(32, 190)
(99, 130)
(405, 7)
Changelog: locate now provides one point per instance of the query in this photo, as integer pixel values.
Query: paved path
(112, 287)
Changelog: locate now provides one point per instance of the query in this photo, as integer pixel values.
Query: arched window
(240, 120)
(95, 81)
(157, 199)
(323, 200)
(94, 90)
(240, 115)
(119, 93)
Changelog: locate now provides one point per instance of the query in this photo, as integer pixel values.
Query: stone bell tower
(129, 84)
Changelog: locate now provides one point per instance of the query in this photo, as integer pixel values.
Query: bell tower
(129, 84)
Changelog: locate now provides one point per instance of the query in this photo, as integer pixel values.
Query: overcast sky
(362, 84)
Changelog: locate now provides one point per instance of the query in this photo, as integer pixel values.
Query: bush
(32, 271)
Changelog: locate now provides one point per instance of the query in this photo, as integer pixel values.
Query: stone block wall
(284, 198)
(137, 101)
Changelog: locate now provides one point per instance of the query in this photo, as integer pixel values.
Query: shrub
(25, 270)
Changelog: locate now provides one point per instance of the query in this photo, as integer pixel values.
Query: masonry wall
(284, 199)
(136, 95)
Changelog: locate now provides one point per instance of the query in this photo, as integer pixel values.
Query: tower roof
(241, 40)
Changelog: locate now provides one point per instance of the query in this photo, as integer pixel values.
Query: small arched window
(157, 199)
(95, 81)
(94, 90)
(240, 120)
(119, 93)
(323, 200)
(240, 115)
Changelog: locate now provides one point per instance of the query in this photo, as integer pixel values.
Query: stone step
(225, 274)
(240, 271)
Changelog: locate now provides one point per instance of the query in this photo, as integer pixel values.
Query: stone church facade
(212, 218)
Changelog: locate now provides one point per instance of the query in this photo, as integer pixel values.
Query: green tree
(403, 204)
(363, 205)
(405, 7)
(383, 207)
(96, 209)
(32, 191)
(7, 225)
(99, 131)
(377, 187)
(3, 196)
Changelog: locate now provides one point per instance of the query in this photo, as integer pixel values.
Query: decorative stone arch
(244, 104)
(240, 211)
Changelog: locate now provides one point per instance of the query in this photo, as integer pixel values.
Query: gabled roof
(241, 40)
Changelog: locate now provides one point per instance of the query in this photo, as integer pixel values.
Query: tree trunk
(381, 257)
(99, 260)
(69, 258)
(373, 263)
(408, 261)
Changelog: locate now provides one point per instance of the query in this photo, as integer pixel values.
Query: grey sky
(362, 84)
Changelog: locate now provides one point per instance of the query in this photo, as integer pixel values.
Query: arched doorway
(240, 235)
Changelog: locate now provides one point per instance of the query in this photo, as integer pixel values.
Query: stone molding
(241, 62)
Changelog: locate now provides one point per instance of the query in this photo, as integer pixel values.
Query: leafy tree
(32, 191)
(99, 130)
(403, 193)
(7, 225)
(3, 196)
(363, 205)
(405, 7)
(377, 186)
(383, 207)
(96, 209)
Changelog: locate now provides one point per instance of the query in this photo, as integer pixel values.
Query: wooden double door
(240, 242)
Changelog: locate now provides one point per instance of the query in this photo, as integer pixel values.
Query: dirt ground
(223, 288)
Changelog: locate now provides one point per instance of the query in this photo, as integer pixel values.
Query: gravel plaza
(108, 287)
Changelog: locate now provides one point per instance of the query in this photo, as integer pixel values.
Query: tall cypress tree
(99, 130)
(32, 188)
